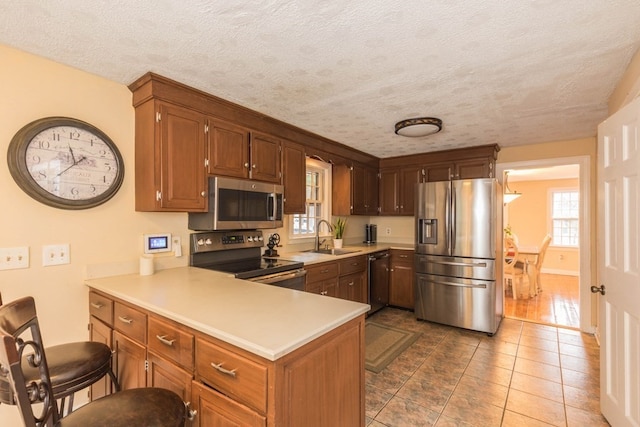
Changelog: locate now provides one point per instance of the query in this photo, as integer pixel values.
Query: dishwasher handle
(378, 256)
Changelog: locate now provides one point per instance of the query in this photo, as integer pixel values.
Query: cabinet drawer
(316, 273)
(232, 374)
(352, 264)
(169, 341)
(399, 255)
(131, 322)
(101, 307)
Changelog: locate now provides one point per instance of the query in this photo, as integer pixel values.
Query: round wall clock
(65, 163)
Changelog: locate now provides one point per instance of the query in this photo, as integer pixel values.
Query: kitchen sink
(341, 251)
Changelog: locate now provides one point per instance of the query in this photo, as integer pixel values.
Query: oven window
(239, 205)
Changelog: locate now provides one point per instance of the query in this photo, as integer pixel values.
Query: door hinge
(206, 163)
(146, 366)
(158, 196)
(158, 116)
(206, 128)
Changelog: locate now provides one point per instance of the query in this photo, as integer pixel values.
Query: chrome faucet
(318, 242)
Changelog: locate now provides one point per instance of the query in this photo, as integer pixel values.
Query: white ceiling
(511, 72)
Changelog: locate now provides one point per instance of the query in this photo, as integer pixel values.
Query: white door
(618, 265)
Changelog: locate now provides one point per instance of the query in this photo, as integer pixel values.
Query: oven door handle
(279, 277)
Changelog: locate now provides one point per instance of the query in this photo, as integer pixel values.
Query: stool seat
(135, 407)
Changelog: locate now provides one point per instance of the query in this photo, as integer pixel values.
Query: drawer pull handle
(351, 283)
(324, 271)
(355, 264)
(163, 339)
(404, 256)
(219, 368)
(125, 320)
(96, 305)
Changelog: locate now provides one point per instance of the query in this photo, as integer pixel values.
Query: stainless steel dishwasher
(378, 268)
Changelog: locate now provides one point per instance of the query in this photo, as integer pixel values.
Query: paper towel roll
(146, 265)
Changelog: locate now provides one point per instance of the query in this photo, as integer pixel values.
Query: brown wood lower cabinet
(318, 384)
(401, 279)
(100, 332)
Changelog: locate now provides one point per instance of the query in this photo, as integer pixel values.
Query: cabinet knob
(203, 194)
(253, 166)
(246, 165)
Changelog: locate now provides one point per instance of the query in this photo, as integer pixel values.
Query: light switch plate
(14, 258)
(55, 255)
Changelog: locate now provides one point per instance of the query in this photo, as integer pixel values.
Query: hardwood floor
(558, 303)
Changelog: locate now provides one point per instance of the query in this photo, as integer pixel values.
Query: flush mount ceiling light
(420, 126)
(509, 196)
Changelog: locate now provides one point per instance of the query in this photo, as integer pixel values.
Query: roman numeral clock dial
(65, 163)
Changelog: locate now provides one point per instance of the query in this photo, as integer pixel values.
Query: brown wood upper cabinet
(170, 158)
(397, 190)
(236, 151)
(294, 173)
(459, 169)
(355, 190)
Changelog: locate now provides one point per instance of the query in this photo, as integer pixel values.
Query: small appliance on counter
(370, 233)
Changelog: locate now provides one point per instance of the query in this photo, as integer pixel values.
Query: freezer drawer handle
(461, 285)
(460, 264)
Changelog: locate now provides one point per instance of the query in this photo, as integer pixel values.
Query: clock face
(65, 163)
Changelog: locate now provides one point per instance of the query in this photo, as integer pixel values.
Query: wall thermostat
(154, 243)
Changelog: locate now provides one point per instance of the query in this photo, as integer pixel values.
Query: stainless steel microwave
(239, 204)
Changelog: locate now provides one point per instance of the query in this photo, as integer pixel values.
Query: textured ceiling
(511, 72)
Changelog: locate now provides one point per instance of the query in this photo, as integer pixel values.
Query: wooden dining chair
(535, 268)
(513, 269)
(72, 367)
(20, 339)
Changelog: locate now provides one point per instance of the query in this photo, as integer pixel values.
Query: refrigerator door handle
(460, 285)
(453, 218)
(460, 264)
(447, 220)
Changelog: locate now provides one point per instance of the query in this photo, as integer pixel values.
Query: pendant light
(509, 196)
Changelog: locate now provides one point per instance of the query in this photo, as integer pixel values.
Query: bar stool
(135, 407)
(72, 367)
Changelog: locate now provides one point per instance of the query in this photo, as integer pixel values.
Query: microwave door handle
(272, 207)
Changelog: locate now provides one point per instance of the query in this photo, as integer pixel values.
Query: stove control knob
(208, 242)
(200, 242)
(249, 239)
(260, 238)
(255, 238)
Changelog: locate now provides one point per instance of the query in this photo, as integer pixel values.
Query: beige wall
(111, 234)
(529, 219)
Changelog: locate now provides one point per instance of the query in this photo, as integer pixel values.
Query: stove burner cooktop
(249, 268)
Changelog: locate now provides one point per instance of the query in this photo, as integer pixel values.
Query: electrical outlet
(388, 231)
(55, 254)
(14, 258)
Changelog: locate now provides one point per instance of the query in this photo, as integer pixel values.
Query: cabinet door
(341, 181)
(401, 279)
(473, 168)
(371, 191)
(99, 332)
(352, 287)
(182, 160)
(438, 172)
(294, 172)
(389, 184)
(409, 177)
(129, 361)
(164, 374)
(265, 158)
(358, 190)
(216, 410)
(228, 149)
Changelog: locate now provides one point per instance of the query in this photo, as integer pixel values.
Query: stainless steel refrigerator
(458, 253)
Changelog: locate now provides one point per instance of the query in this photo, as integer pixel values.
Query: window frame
(556, 242)
(325, 170)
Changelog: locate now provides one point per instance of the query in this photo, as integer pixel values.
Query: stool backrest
(20, 334)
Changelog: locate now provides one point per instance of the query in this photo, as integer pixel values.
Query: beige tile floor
(526, 375)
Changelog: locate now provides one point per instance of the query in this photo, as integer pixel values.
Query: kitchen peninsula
(239, 351)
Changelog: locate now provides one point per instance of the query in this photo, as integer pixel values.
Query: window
(318, 185)
(565, 209)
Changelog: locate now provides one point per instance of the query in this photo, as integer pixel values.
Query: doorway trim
(584, 162)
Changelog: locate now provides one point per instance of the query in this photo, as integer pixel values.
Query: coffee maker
(370, 233)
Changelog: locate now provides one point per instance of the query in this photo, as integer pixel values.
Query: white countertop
(362, 249)
(265, 320)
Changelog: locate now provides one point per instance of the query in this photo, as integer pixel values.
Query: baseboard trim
(560, 272)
